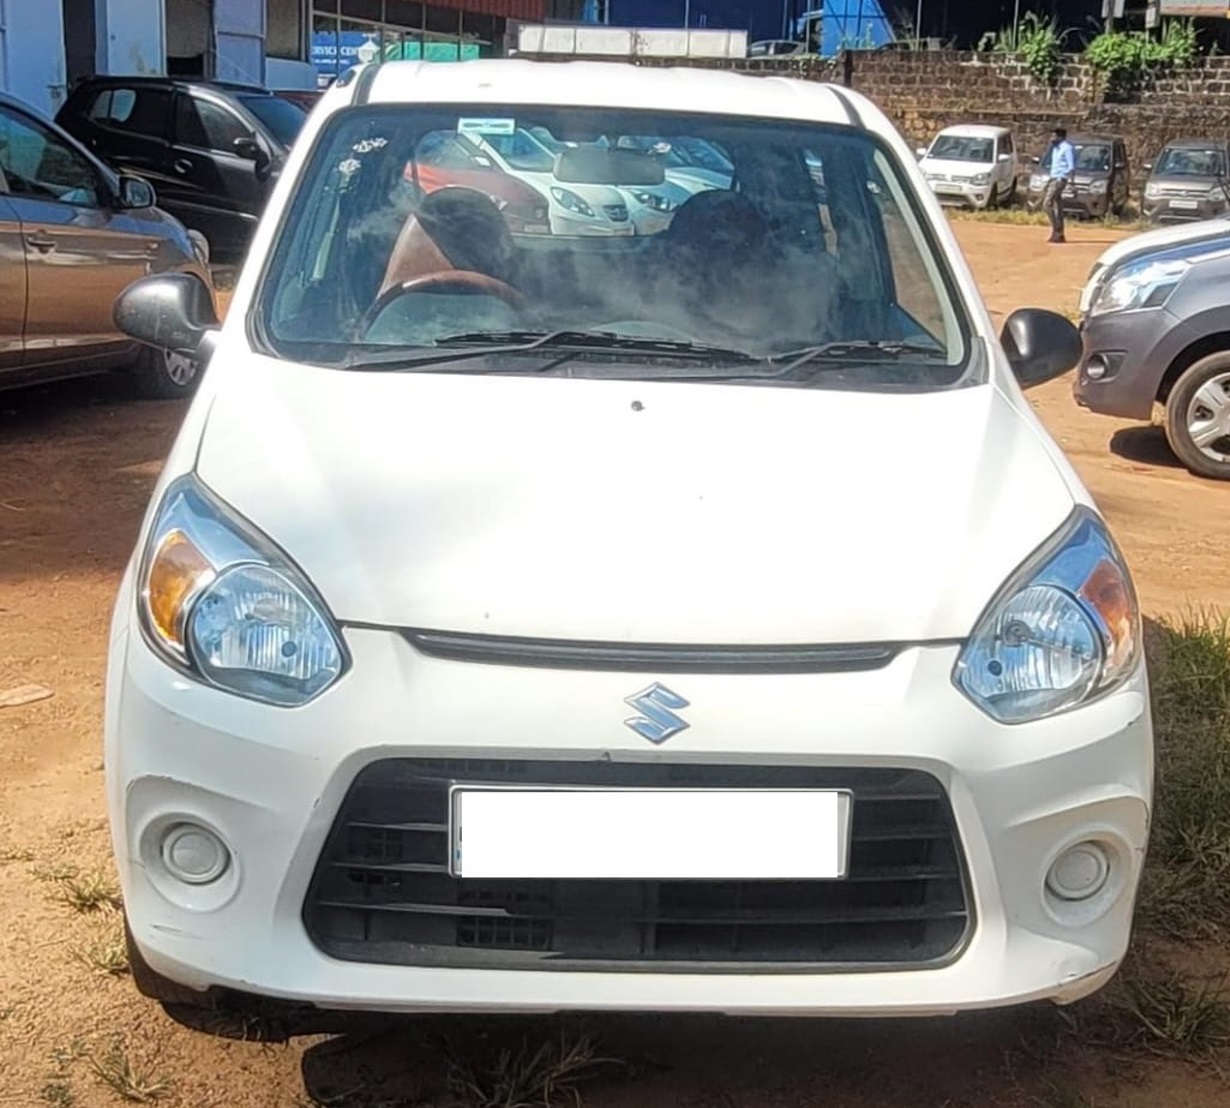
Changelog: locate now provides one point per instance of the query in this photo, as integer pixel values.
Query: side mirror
(1040, 345)
(1147, 167)
(171, 311)
(921, 151)
(247, 147)
(1005, 157)
(134, 193)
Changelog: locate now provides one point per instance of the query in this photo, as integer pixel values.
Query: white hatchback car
(547, 622)
(972, 165)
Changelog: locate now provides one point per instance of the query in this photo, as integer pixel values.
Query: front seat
(451, 230)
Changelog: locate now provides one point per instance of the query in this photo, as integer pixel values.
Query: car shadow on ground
(638, 1060)
(1145, 444)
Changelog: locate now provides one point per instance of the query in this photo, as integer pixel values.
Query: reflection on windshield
(1190, 162)
(413, 226)
(961, 148)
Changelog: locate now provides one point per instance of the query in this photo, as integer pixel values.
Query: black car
(212, 150)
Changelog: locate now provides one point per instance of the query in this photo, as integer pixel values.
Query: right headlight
(571, 201)
(1063, 631)
(219, 601)
(1143, 284)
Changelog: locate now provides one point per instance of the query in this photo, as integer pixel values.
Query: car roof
(1193, 143)
(975, 130)
(192, 82)
(495, 81)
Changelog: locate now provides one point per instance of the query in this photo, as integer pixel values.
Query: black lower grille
(382, 891)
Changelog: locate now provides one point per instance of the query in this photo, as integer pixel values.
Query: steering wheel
(461, 280)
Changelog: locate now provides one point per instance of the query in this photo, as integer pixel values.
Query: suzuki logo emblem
(657, 721)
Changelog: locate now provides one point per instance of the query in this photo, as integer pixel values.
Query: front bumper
(962, 193)
(271, 782)
(1081, 202)
(1127, 346)
(1171, 209)
(568, 223)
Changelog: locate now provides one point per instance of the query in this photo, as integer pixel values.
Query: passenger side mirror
(1040, 345)
(1148, 167)
(135, 193)
(170, 311)
(247, 147)
(1005, 157)
(921, 151)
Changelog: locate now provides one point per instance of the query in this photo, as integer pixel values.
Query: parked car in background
(775, 48)
(302, 98)
(974, 165)
(1100, 184)
(1188, 181)
(529, 627)
(577, 208)
(73, 236)
(445, 159)
(1156, 330)
(211, 150)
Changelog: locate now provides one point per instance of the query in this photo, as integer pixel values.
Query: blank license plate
(649, 834)
(1185, 205)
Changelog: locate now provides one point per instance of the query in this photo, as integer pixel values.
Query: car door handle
(181, 165)
(41, 242)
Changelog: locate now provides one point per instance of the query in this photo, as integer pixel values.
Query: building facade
(47, 45)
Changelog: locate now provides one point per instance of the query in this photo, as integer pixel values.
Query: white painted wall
(131, 36)
(32, 53)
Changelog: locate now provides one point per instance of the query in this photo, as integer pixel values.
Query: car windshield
(283, 119)
(775, 262)
(962, 148)
(520, 151)
(1187, 161)
(1093, 157)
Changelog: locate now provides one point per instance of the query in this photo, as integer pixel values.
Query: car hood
(633, 511)
(1161, 238)
(592, 194)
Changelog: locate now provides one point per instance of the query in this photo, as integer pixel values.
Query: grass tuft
(107, 956)
(1186, 888)
(89, 893)
(59, 1094)
(122, 1076)
(1177, 1014)
(525, 1077)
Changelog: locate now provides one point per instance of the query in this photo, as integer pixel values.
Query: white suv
(526, 623)
(972, 165)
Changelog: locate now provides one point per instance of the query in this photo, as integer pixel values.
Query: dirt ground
(76, 465)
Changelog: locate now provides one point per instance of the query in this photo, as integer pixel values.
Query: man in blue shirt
(1061, 164)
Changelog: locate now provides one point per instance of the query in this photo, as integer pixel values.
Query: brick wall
(926, 91)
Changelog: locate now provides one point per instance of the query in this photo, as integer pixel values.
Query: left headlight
(1063, 631)
(980, 179)
(1145, 284)
(221, 602)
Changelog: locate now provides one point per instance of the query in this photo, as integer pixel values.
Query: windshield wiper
(859, 352)
(477, 344)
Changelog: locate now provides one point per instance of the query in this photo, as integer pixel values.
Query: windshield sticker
(486, 126)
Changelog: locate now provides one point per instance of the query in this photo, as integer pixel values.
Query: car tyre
(993, 199)
(165, 375)
(1201, 399)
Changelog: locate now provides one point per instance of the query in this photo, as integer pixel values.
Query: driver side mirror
(921, 151)
(247, 146)
(170, 311)
(1040, 345)
(135, 193)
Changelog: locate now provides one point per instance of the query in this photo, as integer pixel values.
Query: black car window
(282, 118)
(207, 125)
(37, 163)
(141, 111)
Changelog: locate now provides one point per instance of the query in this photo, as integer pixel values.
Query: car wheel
(166, 375)
(1198, 417)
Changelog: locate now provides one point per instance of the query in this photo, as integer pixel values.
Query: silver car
(73, 236)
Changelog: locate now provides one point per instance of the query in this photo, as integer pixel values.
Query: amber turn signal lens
(177, 571)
